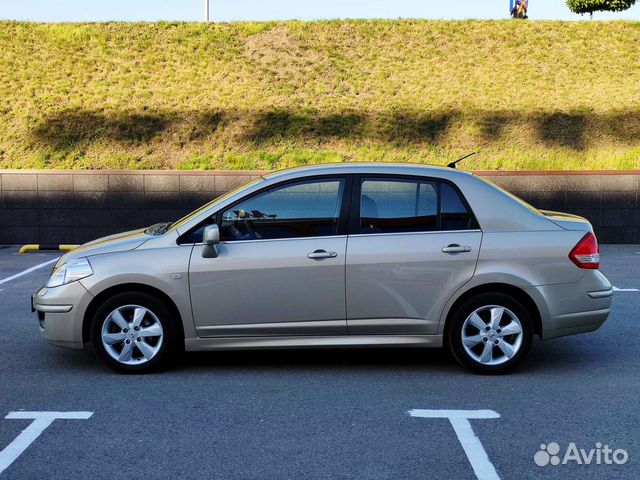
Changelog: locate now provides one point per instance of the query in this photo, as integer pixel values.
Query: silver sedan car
(350, 255)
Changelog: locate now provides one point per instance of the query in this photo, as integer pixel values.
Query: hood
(568, 221)
(119, 242)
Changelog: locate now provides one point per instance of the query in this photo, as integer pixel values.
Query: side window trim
(356, 192)
(427, 232)
(343, 217)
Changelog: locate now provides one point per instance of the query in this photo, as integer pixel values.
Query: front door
(281, 264)
(413, 243)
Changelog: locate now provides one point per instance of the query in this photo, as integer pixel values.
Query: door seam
(346, 258)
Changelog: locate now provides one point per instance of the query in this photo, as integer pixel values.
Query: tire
(494, 349)
(135, 333)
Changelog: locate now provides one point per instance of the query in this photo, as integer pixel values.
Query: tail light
(586, 253)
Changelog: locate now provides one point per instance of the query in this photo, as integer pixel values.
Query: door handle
(455, 248)
(322, 254)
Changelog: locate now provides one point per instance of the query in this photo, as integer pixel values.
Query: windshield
(176, 225)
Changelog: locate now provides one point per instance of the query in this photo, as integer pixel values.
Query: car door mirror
(210, 240)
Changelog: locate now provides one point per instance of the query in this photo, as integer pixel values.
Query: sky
(229, 10)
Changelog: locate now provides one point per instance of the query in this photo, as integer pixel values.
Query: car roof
(368, 168)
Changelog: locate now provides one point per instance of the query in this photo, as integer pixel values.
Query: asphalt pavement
(319, 414)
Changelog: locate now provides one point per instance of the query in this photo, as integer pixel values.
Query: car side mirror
(210, 238)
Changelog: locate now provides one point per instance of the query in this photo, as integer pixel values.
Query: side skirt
(346, 341)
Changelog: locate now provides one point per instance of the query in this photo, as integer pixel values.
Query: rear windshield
(515, 197)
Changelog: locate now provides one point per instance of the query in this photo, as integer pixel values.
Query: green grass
(526, 95)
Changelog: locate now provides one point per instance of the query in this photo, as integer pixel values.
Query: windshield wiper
(158, 228)
(162, 230)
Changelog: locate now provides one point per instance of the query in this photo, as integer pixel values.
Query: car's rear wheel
(490, 333)
(134, 332)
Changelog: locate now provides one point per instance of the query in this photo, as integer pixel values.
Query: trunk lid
(568, 221)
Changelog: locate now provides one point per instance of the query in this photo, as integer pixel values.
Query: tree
(590, 6)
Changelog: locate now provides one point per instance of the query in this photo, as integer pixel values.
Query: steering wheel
(252, 234)
(251, 231)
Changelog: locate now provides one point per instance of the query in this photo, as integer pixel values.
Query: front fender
(164, 269)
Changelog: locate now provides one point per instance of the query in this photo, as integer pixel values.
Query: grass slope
(527, 95)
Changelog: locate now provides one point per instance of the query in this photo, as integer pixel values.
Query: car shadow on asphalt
(556, 356)
(322, 359)
(544, 358)
(328, 359)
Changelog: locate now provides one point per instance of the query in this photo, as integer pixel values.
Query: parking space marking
(616, 289)
(459, 419)
(41, 420)
(28, 270)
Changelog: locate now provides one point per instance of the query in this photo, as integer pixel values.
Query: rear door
(412, 243)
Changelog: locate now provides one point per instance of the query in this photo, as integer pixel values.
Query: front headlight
(70, 271)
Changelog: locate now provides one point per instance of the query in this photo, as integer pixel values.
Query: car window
(399, 206)
(454, 215)
(389, 206)
(295, 210)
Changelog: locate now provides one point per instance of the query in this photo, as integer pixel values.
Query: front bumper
(61, 312)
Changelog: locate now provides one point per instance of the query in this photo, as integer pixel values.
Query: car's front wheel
(490, 333)
(134, 332)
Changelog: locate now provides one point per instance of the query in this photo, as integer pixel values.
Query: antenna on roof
(453, 164)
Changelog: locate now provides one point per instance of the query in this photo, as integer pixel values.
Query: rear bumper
(575, 308)
(575, 323)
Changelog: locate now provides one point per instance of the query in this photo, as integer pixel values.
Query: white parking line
(41, 420)
(616, 289)
(478, 458)
(28, 270)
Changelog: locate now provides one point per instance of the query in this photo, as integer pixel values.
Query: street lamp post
(206, 10)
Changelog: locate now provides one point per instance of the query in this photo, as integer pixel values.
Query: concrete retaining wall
(78, 206)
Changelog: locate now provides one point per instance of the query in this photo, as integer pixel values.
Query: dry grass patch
(528, 95)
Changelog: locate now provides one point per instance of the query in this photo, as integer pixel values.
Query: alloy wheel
(492, 335)
(132, 335)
